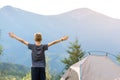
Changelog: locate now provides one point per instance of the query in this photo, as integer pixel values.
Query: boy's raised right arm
(59, 40)
(12, 35)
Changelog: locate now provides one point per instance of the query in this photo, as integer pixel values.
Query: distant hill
(95, 31)
(9, 71)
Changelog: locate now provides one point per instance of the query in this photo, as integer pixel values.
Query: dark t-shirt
(38, 55)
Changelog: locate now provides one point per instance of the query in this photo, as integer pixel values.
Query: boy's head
(38, 37)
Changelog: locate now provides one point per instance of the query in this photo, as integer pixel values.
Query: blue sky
(53, 7)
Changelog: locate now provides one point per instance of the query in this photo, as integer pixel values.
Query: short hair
(38, 36)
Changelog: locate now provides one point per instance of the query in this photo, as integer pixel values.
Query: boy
(38, 54)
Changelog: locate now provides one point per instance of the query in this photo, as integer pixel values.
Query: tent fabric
(73, 69)
(72, 75)
(93, 67)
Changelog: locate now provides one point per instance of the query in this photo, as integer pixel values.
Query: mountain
(9, 71)
(95, 31)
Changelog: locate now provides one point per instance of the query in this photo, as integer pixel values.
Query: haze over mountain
(95, 31)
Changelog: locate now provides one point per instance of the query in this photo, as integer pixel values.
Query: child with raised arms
(38, 54)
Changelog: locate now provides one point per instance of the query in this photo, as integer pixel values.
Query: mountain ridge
(70, 12)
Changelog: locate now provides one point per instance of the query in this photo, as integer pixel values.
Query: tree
(75, 54)
(27, 77)
(1, 48)
(118, 57)
(48, 76)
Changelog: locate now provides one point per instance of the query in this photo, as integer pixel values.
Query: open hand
(12, 35)
(64, 38)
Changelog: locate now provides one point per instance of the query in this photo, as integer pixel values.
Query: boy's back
(38, 54)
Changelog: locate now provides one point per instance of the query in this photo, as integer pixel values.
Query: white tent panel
(100, 68)
(93, 68)
(76, 66)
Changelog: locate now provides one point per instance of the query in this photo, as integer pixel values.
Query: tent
(93, 67)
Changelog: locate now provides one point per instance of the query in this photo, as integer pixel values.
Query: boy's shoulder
(31, 44)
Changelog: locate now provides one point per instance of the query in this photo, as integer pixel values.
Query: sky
(54, 7)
